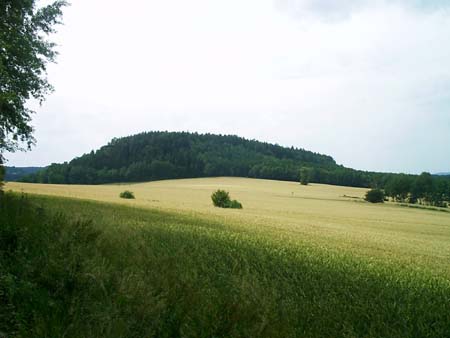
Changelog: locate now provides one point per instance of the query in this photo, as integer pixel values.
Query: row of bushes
(379, 196)
(220, 198)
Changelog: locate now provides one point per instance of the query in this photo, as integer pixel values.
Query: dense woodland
(16, 173)
(163, 155)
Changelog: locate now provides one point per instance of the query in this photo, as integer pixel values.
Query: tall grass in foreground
(105, 270)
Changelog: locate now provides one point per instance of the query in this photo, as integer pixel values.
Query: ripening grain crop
(328, 217)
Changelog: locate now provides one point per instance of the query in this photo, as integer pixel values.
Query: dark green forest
(16, 173)
(165, 155)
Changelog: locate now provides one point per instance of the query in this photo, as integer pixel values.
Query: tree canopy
(375, 196)
(305, 174)
(162, 155)
(24, 54)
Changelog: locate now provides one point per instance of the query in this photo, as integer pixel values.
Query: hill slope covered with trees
(164, 155)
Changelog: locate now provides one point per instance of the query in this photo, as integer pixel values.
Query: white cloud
(369, 87)
(343, 9)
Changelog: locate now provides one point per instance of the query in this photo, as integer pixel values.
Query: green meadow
(296, 261)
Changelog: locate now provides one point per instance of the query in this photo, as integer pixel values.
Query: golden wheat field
(330, 217)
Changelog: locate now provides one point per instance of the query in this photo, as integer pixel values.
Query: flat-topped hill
(166, 155)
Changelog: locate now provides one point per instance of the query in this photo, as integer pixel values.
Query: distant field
(329, 217)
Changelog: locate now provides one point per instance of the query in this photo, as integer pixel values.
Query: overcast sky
(367, 82)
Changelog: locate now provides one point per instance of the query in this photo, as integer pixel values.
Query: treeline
(424, 188)
(164, 155)
(16, 173)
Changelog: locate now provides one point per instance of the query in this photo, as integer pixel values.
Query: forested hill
(162, 155)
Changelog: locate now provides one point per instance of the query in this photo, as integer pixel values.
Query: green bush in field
(375, 196)
(305, 175)
(235, 204)
(127, 194)
(221, 199)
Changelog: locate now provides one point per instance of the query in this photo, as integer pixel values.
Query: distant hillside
(443, 174)
(163, 155)
(16, 173)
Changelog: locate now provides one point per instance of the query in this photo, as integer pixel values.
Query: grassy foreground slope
(330, 218)
(133, 272)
